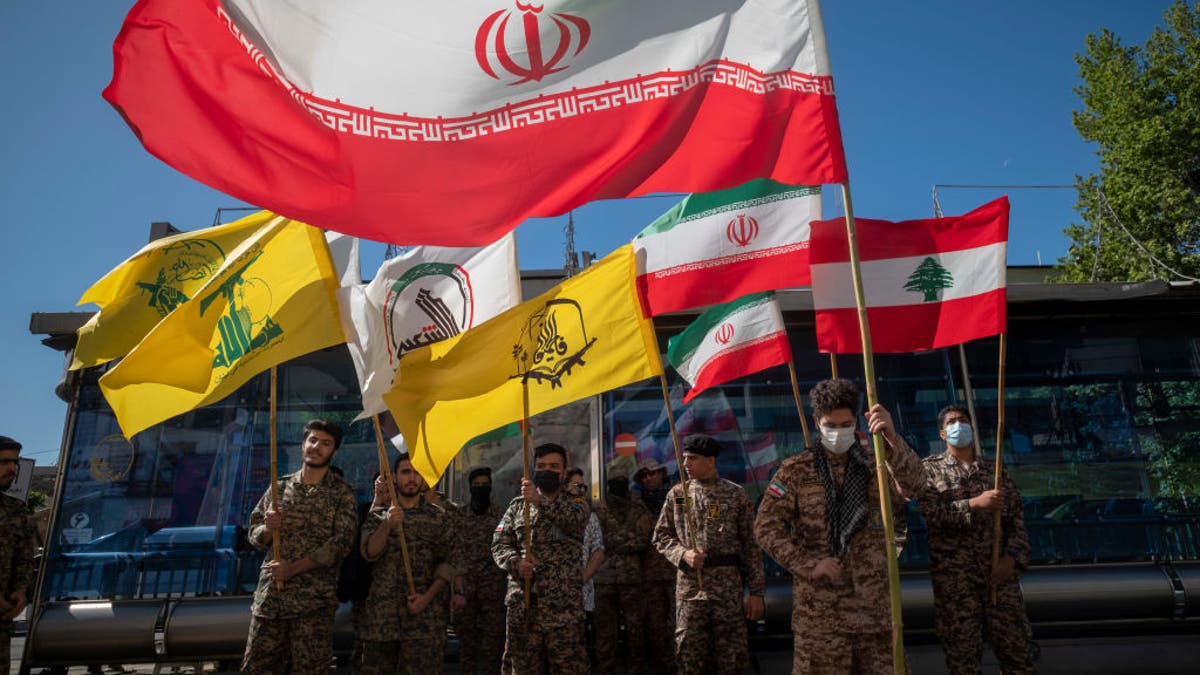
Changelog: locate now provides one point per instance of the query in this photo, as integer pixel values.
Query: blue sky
(930, 92)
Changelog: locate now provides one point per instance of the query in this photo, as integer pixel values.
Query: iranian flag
(451, 122)
(730, 341)
(423, 296)
(928, 283)
(717, 246)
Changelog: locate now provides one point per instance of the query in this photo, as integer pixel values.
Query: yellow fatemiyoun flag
(583, 337)
(272, 300)
(144, 289)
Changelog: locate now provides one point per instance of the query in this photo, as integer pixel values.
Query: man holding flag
(818, 521)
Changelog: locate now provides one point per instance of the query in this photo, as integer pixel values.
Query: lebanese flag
(730, 341)
(451, 122)
(718, 246)
(928, 283)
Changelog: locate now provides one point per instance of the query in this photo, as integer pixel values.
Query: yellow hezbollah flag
(271, 301)
(583, 337)
(144, 289)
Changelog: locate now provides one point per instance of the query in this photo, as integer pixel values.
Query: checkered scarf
(846, 506)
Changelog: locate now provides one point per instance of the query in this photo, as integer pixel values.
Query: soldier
(550, 630)
(959, 504)
(592, 557)
(480, 624)
(716, 559)
(658, 574)
(16, 550)
(627, 525)
(291, 627)
(405, 632)
(820, 520)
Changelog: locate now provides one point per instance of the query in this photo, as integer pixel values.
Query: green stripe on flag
(681, 347)
(507, 431)
(747, 195)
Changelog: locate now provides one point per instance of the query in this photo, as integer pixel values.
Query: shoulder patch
(775, 489)
(499, 526)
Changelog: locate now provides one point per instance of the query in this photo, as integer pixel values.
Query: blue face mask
(958, 434)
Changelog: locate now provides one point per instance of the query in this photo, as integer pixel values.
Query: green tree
(1141, 106)
(929, 278)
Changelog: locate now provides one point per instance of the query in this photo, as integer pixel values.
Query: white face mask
(837, 441)
(959, 435)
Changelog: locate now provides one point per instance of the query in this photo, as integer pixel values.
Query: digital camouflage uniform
(291, 629)
(844, 626)
(480, 625)
(710, 634)
(16, 562)
(551, 630)
(627, 525)
(658, 595)
(960, 560)
(395, 641)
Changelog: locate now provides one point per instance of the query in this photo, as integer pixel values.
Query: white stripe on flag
(974, 271)
(752, 325)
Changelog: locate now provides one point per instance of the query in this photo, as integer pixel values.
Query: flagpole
(689, 517)
(277, 535)
(385, 472)
(885, 501)
(996, 529)
(799, 403)
(969, 394)
(833, 372)
(525, 443)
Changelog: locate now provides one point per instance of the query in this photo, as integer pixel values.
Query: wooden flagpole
(526, 438)
(969, 394)
(278, 534)
(885, 501)
(799, 403)
(996, 526)
(683, 478)
(385, 471)
(833, 371)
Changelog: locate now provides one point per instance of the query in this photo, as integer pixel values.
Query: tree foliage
(1141, 106)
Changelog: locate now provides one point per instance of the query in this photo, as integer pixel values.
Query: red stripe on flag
(881, 239)
(196, 100)
(741, 362)
(710, 286)
(910, 328)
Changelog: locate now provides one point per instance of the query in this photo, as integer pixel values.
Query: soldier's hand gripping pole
(689, 517)
(274, 450)
(385, 472)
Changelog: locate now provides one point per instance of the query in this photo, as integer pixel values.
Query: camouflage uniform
(551, 629)
(16, 562)
(960, 559)
(393, 639)
(710, 634)
(480, 625)
(658, 596)
(843, 626)
(626, 524)
(291, 629)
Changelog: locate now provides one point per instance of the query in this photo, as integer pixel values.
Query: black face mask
(618, 487)
(547, 481)
(481, 497)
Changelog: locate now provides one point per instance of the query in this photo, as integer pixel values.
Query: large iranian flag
(427, 294)
(730, 341)
(717, 246)
(451, 122)
(928, 283)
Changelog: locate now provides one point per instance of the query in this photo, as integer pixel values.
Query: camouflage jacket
(627, 526)
(724, 531)
(557, 541)
(479, 570)
(793, 529)
(319, 522)
(655, 567)
(960, 540)
(430, 536)
(16, 545)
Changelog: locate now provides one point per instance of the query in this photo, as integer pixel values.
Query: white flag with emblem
(426, 295)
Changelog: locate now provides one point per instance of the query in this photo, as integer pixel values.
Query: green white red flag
(451, 122)
(730, 341)
(715, 247)
(423, 296)
(928, 283)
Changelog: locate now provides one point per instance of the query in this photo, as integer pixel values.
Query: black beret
(7, 443)
(700, 444)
